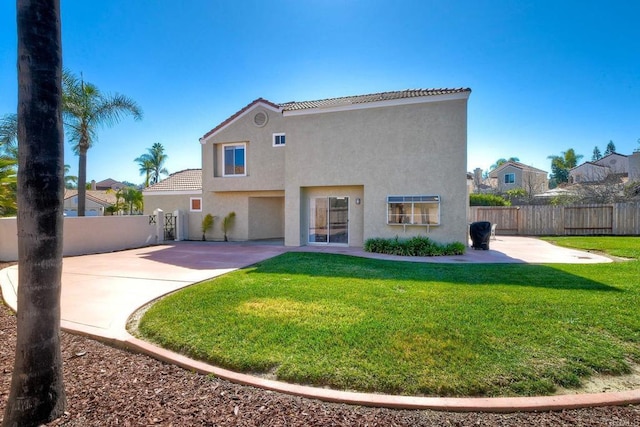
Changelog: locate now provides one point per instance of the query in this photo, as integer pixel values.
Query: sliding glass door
(329, 220)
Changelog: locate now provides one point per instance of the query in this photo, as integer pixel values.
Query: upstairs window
(235, 159)
(278, 139)
(413, 210)
(509, 178)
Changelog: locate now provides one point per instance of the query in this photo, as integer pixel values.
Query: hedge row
(415, 246)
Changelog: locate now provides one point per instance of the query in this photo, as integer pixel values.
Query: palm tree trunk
(82, 179)
(37, 391)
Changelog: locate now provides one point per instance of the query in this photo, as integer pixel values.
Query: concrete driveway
(101, 291)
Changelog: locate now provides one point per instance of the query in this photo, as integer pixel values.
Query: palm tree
(70, 181)
(8, 164)
(146, 167)
(8, 181)
(152, 163)
(86, 109)
(9, 135)
(501, 161)
(133, 199)
(37, 390)
(560, 165)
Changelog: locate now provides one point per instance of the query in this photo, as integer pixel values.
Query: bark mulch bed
(110, 387)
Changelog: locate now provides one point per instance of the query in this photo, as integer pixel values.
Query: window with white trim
(195, 204)
(413, 210)
(278, 139)
(509, 178)
(234, 157)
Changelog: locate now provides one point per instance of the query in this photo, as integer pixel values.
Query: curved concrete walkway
(100, 292)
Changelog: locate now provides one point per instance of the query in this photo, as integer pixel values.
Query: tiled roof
(340, 102)
(109, 182)
(374, 97)
(98, 196)
(185, 180)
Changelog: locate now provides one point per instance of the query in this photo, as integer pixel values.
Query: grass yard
(412, 328)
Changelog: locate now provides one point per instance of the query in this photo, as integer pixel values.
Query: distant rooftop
(522, 166)
(99, 196)
(184, 180)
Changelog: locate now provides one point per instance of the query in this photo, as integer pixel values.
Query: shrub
(415, 246)
(207, 224)
(227, 222)
(487, 200)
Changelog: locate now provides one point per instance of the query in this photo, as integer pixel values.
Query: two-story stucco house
(512, 175)
(341, 170)
(613, 164)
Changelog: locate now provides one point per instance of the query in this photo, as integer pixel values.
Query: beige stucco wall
(370, 153)
(264, 162)
(356, 212)
(180, 202)
(588, 172)
(220, 204)
(502, 187)
(531, 181)
(616, 163)
(88, 235)
(417, 149)
(265, 218)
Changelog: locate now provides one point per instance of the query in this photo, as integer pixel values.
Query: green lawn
(626, 247)
(411, 328)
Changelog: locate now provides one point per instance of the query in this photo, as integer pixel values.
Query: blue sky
(546, 75)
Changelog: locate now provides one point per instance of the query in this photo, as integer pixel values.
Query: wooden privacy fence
(544, 220)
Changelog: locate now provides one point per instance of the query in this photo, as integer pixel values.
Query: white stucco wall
(88, 235)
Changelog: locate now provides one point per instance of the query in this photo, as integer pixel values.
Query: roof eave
(384, 103)
(260, 102)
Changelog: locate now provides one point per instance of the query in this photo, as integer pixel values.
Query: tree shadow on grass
(344, 266)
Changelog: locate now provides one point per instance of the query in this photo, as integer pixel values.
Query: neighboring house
(180, 191)
(512, 175)
(95, 205)
(107, 184)
(341, 170)
(612, 165)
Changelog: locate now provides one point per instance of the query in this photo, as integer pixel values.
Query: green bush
(487, 200)
(415, 246)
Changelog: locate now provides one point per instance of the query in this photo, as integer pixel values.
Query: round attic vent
(260, 119)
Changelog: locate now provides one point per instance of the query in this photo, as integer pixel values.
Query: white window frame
(191, 199)
(513, 178)
(224, 169)
(276, 138)
(410, 203)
